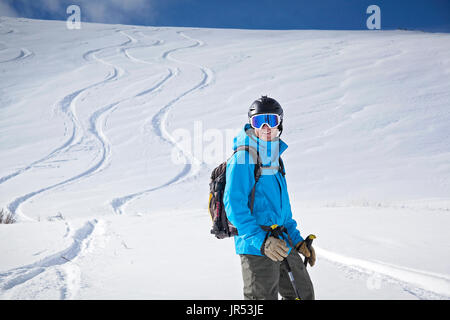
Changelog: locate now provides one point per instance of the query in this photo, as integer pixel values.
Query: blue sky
(428, 15)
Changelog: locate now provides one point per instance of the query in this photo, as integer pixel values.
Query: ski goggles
(271, 119)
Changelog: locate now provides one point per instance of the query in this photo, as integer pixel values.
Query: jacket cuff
(259, 241)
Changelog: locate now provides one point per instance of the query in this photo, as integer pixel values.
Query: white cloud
(52, 5)
(102, 11)
(117, 11)
(7, 11)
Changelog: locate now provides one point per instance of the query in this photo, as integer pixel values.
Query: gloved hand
(310, 254)
(275, 249)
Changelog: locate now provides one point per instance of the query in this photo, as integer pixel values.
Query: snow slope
(111, 198)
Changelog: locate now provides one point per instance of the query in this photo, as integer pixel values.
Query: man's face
(266, 133)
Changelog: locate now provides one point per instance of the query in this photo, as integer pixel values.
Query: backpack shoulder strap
(256, 158)
(281, 166)
(258, 165)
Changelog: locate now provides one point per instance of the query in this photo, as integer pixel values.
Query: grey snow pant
(264, 278)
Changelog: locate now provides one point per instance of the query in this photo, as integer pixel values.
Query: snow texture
(90, 122)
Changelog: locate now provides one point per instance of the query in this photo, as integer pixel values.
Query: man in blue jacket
(261, 252)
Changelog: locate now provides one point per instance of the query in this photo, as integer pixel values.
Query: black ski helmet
(266, 105)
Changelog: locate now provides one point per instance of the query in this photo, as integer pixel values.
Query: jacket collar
(269, 151)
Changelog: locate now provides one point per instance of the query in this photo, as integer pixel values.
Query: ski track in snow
(68, 106)
(23, 54)
(69, 273)
(422, 284)
(192, 165)
(63, 264)
(171, 72)
(96, 121)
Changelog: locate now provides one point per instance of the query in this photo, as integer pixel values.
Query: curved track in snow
(192, 165)
(68, 107)
(23, 54)
(96, 120)
(422, 284)
(71, 122)
(60, 267)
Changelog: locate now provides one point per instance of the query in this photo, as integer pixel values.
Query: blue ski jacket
(271, 205)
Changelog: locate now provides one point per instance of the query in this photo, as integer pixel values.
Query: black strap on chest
(258, 168)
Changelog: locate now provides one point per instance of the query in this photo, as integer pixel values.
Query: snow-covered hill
(108, 135)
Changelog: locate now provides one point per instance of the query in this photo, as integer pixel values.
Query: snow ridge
(424, 285)
(63, 264)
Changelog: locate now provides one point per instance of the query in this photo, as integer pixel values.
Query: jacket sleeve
(291, 224)
(240, 179)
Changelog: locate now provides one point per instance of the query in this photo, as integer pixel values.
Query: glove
(275, 249)
(310, 254)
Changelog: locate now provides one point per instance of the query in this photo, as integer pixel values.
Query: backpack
(221, 226)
